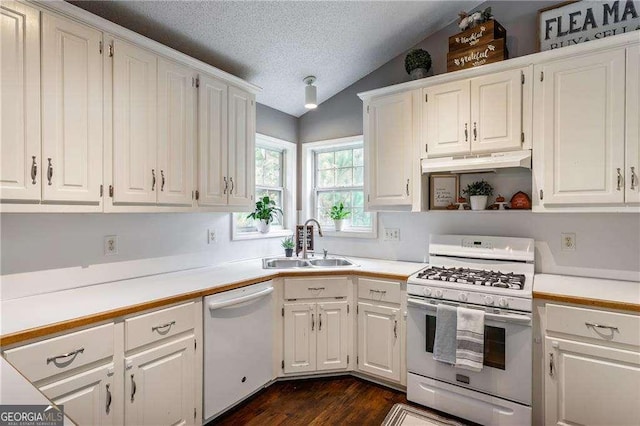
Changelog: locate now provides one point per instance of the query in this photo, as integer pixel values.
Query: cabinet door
(333, 336)
(212, 142)
(590, 384)
(446, 118)
(135, 175)
(88, 397)
(496, 112)
(379, 340)
(388, 150)
(175, 133)
(20, 159)
(299, 337)
(242, 142)
(581, 114)
(632, 157)
(160, 385)
(71, 111)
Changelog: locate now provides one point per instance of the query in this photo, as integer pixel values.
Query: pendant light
(310, 93)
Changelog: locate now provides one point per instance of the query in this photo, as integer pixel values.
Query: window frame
(309, 200)
(288, 167)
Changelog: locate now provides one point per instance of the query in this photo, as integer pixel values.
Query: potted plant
(338, 213)
(264, 213)
(287, 245)
(478, 193)
(417, 63)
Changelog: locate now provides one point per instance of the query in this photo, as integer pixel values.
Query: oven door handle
(511, 318)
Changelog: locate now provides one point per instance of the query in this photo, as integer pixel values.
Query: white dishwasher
(238, 345)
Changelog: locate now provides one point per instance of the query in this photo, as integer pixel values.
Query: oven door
(507, 358)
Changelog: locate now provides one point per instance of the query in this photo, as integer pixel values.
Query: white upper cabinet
(135, 173)
(632, 137)
(20, 159)
(241, 150)
(176, 132)
(496, 112)
(389, 150)
(71, 111)
(212, 142)
(580, 115)
(446, 118)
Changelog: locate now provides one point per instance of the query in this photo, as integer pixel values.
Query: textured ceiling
(275, 44)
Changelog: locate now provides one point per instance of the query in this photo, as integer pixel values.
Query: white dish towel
(470, 339)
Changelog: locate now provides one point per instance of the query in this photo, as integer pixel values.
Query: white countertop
(588, 288)
(22, 314)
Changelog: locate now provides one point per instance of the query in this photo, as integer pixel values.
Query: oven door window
(494, 343)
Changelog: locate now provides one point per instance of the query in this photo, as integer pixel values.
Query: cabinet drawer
(384, 291)
(315, 288)
(64, 353)
(613, 326)
(154, 326)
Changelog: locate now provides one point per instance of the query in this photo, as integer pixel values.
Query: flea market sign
(579, 21)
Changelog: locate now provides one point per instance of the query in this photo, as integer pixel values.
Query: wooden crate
(487, 53)
(480, 34)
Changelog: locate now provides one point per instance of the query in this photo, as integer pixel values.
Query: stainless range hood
(477, 163)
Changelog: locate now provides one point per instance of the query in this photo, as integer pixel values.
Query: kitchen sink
(284, 263)
(330, 262)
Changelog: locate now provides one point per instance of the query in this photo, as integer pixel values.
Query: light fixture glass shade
(310, 97)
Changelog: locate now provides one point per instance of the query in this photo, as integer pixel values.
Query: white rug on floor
(404, 415)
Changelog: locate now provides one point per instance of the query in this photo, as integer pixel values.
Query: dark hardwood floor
(341, 400)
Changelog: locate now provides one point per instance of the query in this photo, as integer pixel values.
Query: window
(274, 176)
(337, 175)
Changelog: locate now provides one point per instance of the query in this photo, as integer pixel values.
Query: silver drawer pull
(34, 170)
(68, 354)
(591, 324)
(315, 288)
(160, 328)
(378, 291)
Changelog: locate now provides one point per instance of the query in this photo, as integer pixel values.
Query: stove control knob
(488, 300)
(503, 303)
(426, 291)
(439, 293)
(462, 297)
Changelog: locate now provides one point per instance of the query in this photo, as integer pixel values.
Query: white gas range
(493, 274)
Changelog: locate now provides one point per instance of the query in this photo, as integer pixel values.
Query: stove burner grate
(474, 276)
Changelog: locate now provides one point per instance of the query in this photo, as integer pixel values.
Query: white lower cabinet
(333, 336)
(379, 329)
(299, 337)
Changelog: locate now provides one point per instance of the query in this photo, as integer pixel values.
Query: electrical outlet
(110, 245)
(568, 241)
(391, 234)
(211, 236)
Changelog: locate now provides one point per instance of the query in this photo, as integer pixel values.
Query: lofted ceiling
(275, 44)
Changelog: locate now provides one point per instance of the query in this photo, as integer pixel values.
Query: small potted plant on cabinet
(264, 213)
(287, 245)
(417, 63)
(478, 193)
(338, 213)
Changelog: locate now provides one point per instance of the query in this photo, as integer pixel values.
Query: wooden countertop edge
(609, 304)
(37, 332)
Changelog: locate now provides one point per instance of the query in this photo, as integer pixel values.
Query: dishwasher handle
(225, 303)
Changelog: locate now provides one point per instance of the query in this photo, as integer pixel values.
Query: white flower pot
(478, 202)
(263, 226)
(339, 224)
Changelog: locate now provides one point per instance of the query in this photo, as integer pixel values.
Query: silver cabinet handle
(634, 177)
(50, 171)
(475, 132)
(133, 388)
(68, 354)
(378, 291)
(108, 407)
(319, 322)
(232, 185)
(551, 364)
(594, 325)
(466, 132)
(395, 329)
(619, 179)
(34, 170)
(315, 288)
(159, 328)
(162, 180)
(226, 185)
(313, 322)
(407, 187)
(153, 179)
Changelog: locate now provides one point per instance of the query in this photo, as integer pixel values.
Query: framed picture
(299, 236)
(443, 190)
(574, 22)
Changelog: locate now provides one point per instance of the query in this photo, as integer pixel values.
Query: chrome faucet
(304, 236)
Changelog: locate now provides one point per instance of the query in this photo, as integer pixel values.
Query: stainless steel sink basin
(330, 262)
(284, 263)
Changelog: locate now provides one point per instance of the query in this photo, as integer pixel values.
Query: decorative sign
(444, 191)
(480, 34)
(299, 237)
(576, 22)
(480, 54)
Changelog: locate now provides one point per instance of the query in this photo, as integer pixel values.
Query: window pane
(344, 158)
(357, 198)
(358, 176)
(343, 177)
(272, 168)
(326, 178)
(260, 154)
(325, 160)
(358, 154)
